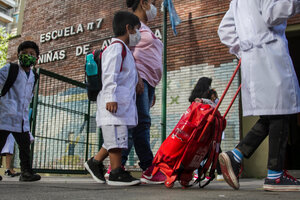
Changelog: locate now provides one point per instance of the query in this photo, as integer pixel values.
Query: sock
(238, 156)
(274, 174)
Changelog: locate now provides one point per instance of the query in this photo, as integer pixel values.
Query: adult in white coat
(255, 32)
(14, 106)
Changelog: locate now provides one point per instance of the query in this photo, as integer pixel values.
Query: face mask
(27, 60)
(151, 14)
(134, 39)
(216, 100)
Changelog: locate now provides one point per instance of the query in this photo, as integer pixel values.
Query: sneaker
(106, 176)
(95, 169)
(205, 181)
(147, 178)
(284, 183)
(195, 176)
(120, 177)
(220, 177)
(8, 173)
(0, 178)
(29, 176)
(230, 169)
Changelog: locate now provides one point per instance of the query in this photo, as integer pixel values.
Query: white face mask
(151, 14)
(134, 39)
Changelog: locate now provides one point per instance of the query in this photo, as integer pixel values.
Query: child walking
(116, 108)
(14, 104)
(203, 93)
(255, 31)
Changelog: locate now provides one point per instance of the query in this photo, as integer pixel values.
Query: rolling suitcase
(194, 143)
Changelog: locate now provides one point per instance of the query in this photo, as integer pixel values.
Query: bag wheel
(169, 182)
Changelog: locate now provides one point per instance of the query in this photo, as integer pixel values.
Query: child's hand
(112, 107)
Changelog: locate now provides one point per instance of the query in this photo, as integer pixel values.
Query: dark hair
(212, 92)
(29, 44)
(201, 89)
(133, 4)
(121, 19)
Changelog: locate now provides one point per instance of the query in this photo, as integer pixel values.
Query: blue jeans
(140, 135)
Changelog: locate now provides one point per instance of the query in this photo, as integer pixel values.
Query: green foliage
(4, 38)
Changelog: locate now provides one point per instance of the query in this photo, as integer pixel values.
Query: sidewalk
(82, 188)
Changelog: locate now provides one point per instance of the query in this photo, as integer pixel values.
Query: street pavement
(84, 188)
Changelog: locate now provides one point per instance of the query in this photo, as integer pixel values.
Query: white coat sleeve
(227, 33)
(276, 12)
(111, 66)
(3, 75)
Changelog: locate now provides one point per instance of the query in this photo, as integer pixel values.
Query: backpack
(94, 83)
(12, 77)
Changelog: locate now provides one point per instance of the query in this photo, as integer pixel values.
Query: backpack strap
(11, 78)
(124, 52)
(36, 78)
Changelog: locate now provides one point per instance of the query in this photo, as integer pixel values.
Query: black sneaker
(96, 169)
(284, 183)
(0, 178)
(230, 169)
(120, 177)
(29, 176)
(8, 173)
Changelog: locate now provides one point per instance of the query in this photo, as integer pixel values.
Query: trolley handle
(226, 90)
(211, 117)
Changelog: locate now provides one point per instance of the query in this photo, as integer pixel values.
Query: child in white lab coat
(255, 32)
(116, 108)
(14, 105)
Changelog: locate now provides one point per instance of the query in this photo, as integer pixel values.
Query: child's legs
(278, 137)
(8, 150)
(254, 138)
(3, 138)
(115, 158)
(101, 155)
(115, 139)
(9, 158)
(23, 141)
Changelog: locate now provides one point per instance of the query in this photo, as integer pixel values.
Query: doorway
(293, 148)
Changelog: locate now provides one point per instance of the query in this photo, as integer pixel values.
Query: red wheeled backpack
(193, 144)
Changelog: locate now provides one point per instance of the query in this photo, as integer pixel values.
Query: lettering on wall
(53, 56)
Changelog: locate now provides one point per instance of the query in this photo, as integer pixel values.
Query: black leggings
(23, 141)
(277, 127)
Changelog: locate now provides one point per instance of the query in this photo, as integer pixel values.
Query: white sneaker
(220, 177)
(205, 181)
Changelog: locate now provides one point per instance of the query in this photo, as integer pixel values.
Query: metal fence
(65, 133)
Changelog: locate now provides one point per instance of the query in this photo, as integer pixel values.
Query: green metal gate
(65, 132)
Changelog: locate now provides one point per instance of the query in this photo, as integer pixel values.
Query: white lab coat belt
(257, 41)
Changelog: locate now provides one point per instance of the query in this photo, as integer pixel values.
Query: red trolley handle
(211, 117)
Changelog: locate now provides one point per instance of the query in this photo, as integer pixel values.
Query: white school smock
(254, 30)
(118, 86)
(14, 106)
(9, 145)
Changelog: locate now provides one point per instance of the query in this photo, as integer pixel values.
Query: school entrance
(293, 148)
(63, 124)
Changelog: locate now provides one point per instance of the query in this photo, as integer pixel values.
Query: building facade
(67, 30)
(9, 15)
